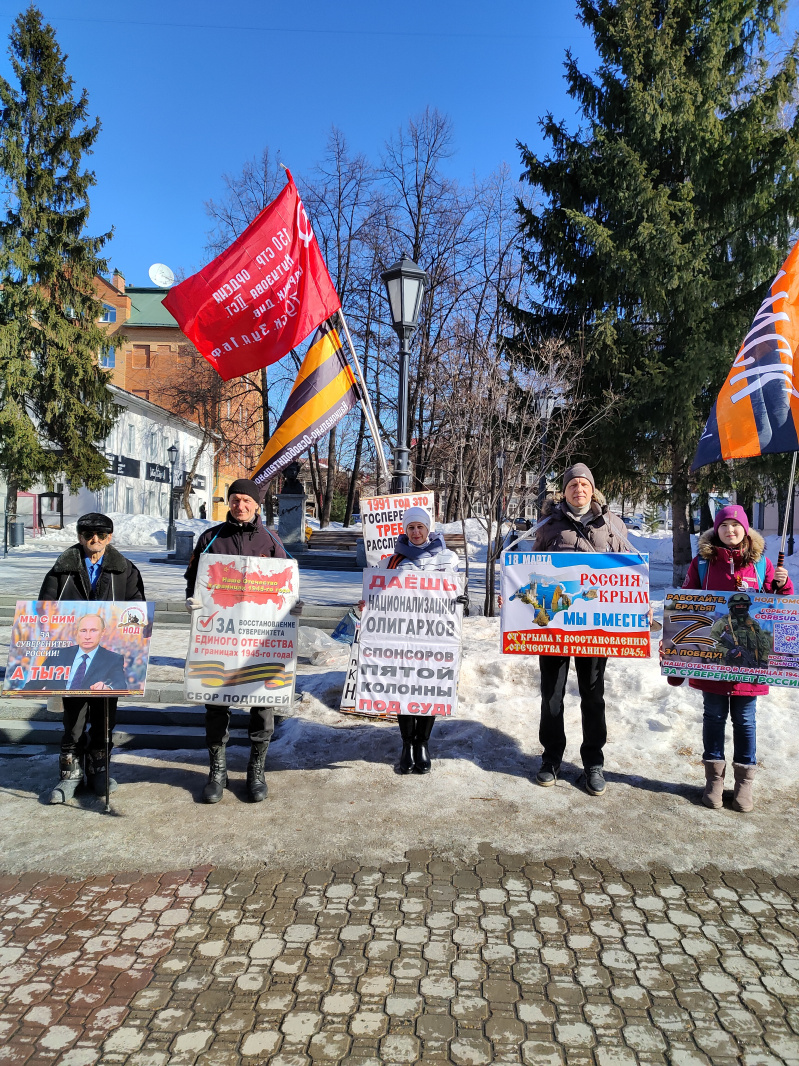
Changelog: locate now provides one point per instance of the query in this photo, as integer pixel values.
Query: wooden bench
(341, 540)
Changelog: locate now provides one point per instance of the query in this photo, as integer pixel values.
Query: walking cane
(107, 716)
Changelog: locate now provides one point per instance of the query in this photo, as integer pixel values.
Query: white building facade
(138, 464)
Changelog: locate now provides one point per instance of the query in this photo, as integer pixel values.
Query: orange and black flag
(757, 410)
(322, 394)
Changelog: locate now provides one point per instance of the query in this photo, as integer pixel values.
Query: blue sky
(190, 89)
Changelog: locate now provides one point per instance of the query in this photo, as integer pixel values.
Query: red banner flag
(262, 296)
(757, 410)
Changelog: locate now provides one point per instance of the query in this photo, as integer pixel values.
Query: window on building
(529, 509)
(109, 313)
(140, 359)
(151, 501)
(131, 439)
(143, 393)
(108, 358)
(529, 479)
(128, 500)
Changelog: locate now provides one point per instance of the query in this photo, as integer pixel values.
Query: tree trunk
(746, 499)
(705, 517)
(330, 481)
(681, 538)
(11, 498)
(356, 470)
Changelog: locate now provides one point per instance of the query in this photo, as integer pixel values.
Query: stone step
(341, 561)
(19, 731)
(128, 711)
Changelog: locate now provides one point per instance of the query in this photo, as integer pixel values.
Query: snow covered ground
(332, 783)
(324, 766)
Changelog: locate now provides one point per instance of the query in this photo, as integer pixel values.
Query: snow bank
(130, 531)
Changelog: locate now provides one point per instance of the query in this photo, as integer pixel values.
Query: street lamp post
(547, 402)
(172, 452)
(405, 284)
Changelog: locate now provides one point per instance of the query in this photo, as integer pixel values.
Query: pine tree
(54, 405)
(665, 219)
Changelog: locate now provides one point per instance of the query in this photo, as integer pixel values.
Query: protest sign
(575, 603)
(79, 648)
(410, 643)
(381, 521)
(243, 646)
(348, 692)
(751, 637)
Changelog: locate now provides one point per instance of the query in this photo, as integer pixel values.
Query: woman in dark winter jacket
(90, 570)
(730, 553)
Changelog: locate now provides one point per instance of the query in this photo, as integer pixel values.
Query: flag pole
(367, 403)
(781, 555)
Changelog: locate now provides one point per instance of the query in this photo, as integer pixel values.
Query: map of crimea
(229, 586)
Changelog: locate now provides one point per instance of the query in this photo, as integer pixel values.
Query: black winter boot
(421, 756)
(407, 727)
(256, 786)
(95, 773)
(217, 778)
(70, 766)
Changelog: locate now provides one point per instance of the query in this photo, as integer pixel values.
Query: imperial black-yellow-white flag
(323, 392)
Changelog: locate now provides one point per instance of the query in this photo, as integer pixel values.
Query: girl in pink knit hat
(731, 550)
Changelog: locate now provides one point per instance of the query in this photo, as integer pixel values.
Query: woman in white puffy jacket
(419, 548)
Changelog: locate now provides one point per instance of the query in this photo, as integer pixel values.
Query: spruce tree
(55, 407)
(665, 217)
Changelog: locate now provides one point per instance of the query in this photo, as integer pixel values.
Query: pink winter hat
(734, 511)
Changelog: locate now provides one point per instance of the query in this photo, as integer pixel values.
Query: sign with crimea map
(243, 647)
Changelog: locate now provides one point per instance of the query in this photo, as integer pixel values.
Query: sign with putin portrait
(71, 647)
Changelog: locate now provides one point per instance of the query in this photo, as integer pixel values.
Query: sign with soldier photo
(381, 521)
(79, 648)
(410, 643)
(751, 637)
(575, 603)
(243, 646)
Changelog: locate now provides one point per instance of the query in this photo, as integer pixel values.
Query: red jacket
(728, 570)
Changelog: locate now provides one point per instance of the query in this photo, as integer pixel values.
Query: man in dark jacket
(578, 521)
(242, 533)
(90, 570)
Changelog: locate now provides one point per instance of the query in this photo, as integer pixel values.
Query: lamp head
(405, 284)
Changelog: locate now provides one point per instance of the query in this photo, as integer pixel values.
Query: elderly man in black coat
(90, 570)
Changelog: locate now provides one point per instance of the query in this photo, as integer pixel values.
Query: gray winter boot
(742, 795)
(256, 786)
(217, 778)
(714, 783)
(70, 765)
(95, 773)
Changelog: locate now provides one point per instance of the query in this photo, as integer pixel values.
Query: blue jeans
(742, 711)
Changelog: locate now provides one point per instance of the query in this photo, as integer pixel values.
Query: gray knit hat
(578, 470)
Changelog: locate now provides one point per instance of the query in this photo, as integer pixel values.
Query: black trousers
(77, 711)
(591, 683)
(217, 724)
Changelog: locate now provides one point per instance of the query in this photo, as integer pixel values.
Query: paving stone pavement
(502, 960)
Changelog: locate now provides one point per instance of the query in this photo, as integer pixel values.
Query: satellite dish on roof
(161, 275)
